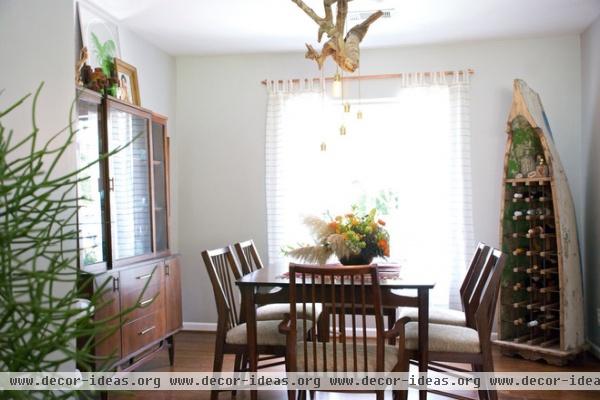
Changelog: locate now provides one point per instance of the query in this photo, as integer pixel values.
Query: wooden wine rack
(540, 304)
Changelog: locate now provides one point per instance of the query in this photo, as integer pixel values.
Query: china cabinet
(124, 230)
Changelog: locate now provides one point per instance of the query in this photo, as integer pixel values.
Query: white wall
(38, 44)
(590, 52)
(221, 120)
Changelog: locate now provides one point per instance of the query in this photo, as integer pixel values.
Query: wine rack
(540, 304)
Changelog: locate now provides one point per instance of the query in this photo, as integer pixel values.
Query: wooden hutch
(124, 221)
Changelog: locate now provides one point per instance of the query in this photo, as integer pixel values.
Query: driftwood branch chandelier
(344, 50)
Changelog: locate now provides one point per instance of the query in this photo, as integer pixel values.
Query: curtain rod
(372, 77)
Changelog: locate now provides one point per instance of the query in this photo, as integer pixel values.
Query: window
(408, 157)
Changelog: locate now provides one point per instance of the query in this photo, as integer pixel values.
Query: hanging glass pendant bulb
(323, 146)
(343, 130)
(359, 114)
(346, 107)
(336, 88)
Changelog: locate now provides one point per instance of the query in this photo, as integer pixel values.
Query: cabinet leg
(171, 342)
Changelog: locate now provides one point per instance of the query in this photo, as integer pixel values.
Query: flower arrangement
(354, 238)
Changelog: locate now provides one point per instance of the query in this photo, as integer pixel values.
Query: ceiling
(185, 27)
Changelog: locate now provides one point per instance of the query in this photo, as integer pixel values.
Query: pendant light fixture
(336, 88)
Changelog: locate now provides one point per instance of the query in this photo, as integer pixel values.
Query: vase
(356, 259)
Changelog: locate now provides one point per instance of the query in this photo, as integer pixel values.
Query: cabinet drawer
(151, 300)
(135, 279)
(142, 332)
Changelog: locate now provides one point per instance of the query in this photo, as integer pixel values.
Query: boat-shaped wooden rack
(541, 298)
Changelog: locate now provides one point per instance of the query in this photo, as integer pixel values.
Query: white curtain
(410, 152)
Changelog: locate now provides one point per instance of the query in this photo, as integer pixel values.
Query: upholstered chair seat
(390, 357)
(267, 333)
(277, 311)
(444, 338)
(437, 315)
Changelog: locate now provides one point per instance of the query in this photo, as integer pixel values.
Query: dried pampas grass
(319, 228)
(310, 254)
(337, 243)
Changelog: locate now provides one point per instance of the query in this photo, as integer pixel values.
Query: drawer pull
(143, 332)
(143, 303)
(144, 276)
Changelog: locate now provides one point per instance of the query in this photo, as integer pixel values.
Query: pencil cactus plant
(40, 319)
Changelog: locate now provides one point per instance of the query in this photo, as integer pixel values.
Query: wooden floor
(194, 353)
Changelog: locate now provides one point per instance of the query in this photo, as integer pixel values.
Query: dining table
(270, 285)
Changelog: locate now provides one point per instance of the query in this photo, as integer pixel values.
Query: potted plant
(354, 238)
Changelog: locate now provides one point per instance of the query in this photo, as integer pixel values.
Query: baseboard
(594, 349)
(200, 326)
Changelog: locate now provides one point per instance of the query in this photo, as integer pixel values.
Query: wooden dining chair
(248, 256)
(250, 261)
(446, 316)
(349, 290)
(231, 331)
(458, 344)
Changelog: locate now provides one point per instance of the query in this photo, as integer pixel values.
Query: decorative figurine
(542, 168)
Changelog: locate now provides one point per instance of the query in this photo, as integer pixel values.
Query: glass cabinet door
(159, 162)
(129, 184)
(91, 216)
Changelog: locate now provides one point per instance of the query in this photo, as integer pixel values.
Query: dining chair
(446, 316)
(250, 261)
(349, 290)
(462, 344)
(231, 330)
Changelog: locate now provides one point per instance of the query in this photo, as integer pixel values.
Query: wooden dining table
(271, 285)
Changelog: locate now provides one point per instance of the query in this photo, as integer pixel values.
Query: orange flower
(381, 222)
(384, 246)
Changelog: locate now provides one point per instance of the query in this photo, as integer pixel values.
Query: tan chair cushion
(444, 338)
(267, 334)
(276, 311)
(437, 315)
(390, 356)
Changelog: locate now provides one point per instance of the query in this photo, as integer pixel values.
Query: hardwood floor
(194, 353)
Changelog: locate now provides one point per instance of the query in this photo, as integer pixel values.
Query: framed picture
(100, 34)
(128, 90)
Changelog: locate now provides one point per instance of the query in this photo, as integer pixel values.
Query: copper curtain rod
(372, 77)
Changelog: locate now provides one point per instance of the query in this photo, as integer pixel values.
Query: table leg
(250, 316)
(423, 295)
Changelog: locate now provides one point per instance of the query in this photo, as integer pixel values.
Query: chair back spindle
(248, 256)
(487, 295)
(350, 293)
(471, 278)
(223, 272)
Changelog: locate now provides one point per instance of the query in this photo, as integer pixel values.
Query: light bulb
(346, 107)
(343, 130)
(323, 146)
(336, 88)
(359, 114)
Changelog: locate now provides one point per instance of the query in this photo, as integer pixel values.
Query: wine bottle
(532, 269)
(548, 289)
(519, 321)
(519, 251)
(548, 325)
(541, 319)
(520, 304)
(548, 271)
(532, 306)
(549, 307)
(534, 287)
(518, 195)
(536, 231)
(518, 286)
(520, 269)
